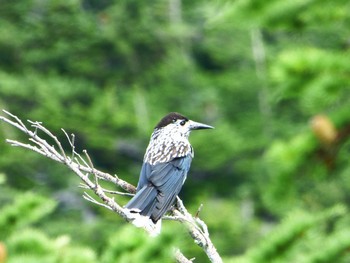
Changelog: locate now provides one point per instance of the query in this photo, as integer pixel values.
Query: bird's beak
(198, 126)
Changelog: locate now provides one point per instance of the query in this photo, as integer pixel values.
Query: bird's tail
(141, 207)
(144, 201)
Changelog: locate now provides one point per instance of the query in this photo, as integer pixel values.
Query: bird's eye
(182, 123)
(173, 120)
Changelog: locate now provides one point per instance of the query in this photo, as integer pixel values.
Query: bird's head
(177, 124)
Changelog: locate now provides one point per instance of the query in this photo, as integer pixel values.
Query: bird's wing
(168, 179)
(158, 187)
(144, 174)
(162, 174)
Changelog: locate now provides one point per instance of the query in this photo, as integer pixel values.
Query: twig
(84, 186)
(87, 197)
(198, 211)
(71, 142)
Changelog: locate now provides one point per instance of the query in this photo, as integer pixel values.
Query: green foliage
(333, 248)
(292, 15)
(129, 245)
(283, 160)
(315, 77)
(304, 237)
(27, 209)
(30, 241)
(34, 246)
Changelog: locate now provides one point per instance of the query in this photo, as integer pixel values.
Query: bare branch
(18, 124)
(180, 258)
(37, 125)
(83, 167)
(198, 231)
(87, 197)
(84, 186)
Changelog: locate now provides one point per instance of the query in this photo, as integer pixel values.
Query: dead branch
(83, 167)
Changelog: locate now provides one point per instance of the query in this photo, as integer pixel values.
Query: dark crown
(170, 118)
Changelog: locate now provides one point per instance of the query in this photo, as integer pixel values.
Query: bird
(164, 170)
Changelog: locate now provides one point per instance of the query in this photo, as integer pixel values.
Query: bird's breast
(161, 152)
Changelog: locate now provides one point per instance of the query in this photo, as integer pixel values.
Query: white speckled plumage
(167, 144)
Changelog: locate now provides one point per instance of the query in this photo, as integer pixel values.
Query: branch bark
(82, 166)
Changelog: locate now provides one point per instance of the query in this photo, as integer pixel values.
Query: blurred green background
(271, 76)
